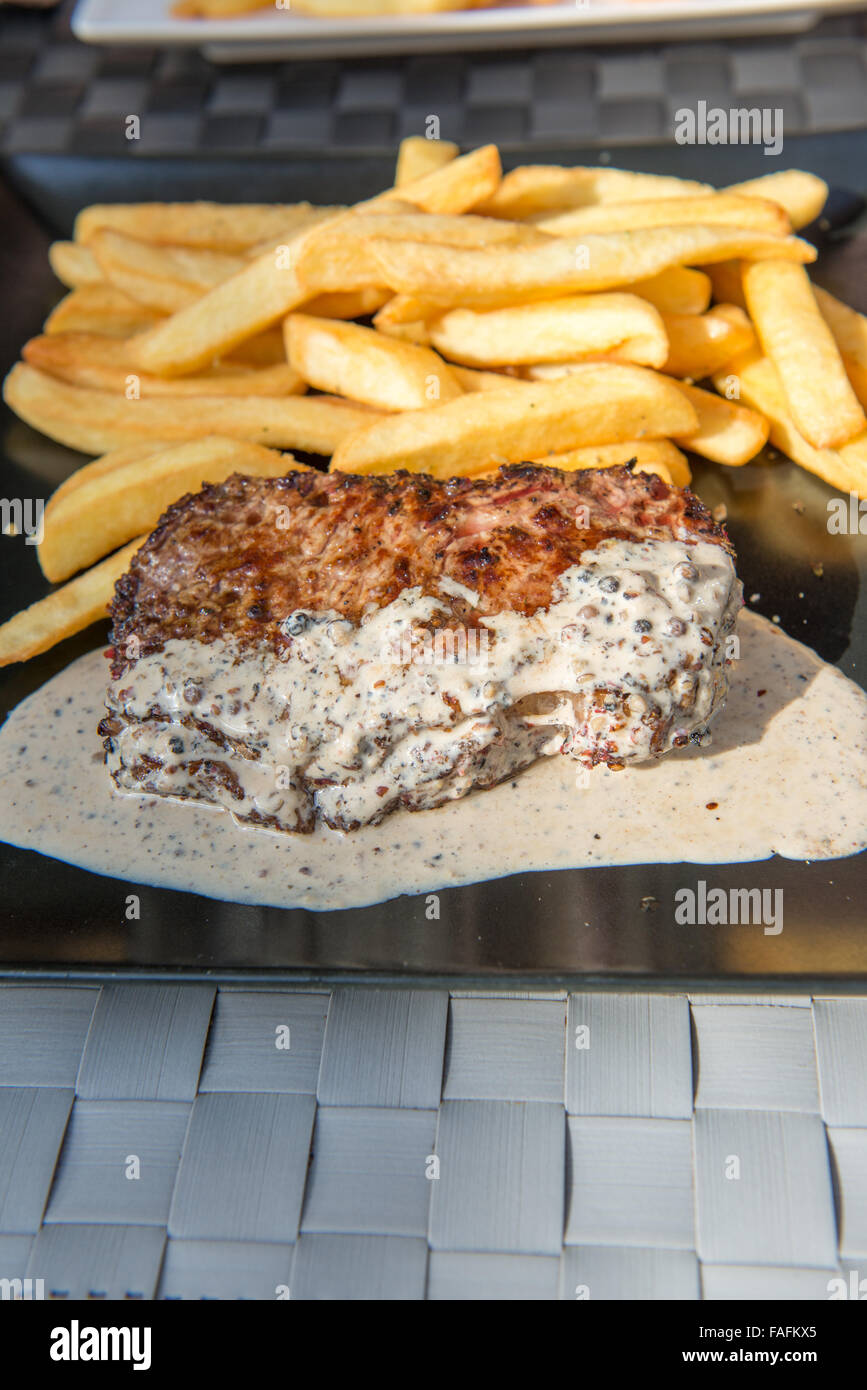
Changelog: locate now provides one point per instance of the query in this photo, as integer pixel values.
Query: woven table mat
(61, 96)
(182, 1141)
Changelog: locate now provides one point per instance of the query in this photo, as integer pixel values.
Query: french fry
(213, 226)
(601, 404)
(269, 287)
(727, 281)
(99, 362)
(850, 334)
(107, 463)
(708, 209)
(106, 509)
(678, 290)
(756, 381)
(99, 308)
(497, 276)
(540, 190)
(623, 326)
(345, 359)
(698, 344)
(473, 380)
(97, 421)
(354, 304)
(74, 265)
(418, 156)
(340, 258)
(795, 336)
(802, 195)
(69, 610)
(727, 432)
(650, 455)
(163, 278)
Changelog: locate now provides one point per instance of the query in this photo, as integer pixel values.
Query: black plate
(592, 925)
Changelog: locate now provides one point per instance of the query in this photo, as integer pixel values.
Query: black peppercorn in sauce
(788, 774)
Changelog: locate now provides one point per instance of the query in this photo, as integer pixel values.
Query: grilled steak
(331, 646)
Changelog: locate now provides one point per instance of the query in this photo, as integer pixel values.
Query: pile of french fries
(561, 316)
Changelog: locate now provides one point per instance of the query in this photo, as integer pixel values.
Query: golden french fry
(678, 290)
(698, 344)
(100, 308)
(708, 209)
(650, 455)
(348, 360)
(802, 195)
(354, 304)
(539, 190)
(601, 403)
(340, 258)
(212, 226)
(799, 342)
(100, 362)
(623, 326)
(74, 265)
(269, 287)
(107, 463)
(850, 334)
(754, 379)
(500, 275)
(97, 421)
(417, 156)
(71, 609)
(727, 432)
(727, 281)
(163, 278)
(107, 508)
(472, 380)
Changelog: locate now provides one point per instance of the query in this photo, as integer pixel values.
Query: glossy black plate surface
(592, 925)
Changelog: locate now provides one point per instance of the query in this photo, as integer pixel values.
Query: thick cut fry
(802, 195)
(74, 265)
(71, 609)
(709, 209)
(100, 308)
(472, 380)
(539, 190)
(650, 455)
(678, 290)
(850, 334)
(497, 276)
(601, 404)
(700, 343)
(727, 281)
(163, 278)
(755, 380)
(107, 463)
(269, 287)
(418, 156)
(213, 226)
(727, 432)
(623, 326)
(799, 342)
(340, 257)
(345, 359)
(355, 304)
(96, 421)
(106, 509)
(89, 360)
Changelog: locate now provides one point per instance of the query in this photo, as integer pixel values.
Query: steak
(328, 646)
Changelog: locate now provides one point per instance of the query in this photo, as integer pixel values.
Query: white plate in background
(269, 33)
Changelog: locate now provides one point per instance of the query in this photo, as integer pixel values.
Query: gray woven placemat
(179, 1141)
(60, 96)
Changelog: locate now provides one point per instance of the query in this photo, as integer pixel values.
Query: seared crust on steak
(239, 556)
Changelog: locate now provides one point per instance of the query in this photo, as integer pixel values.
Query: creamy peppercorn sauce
(785, 773)
(351, 720)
